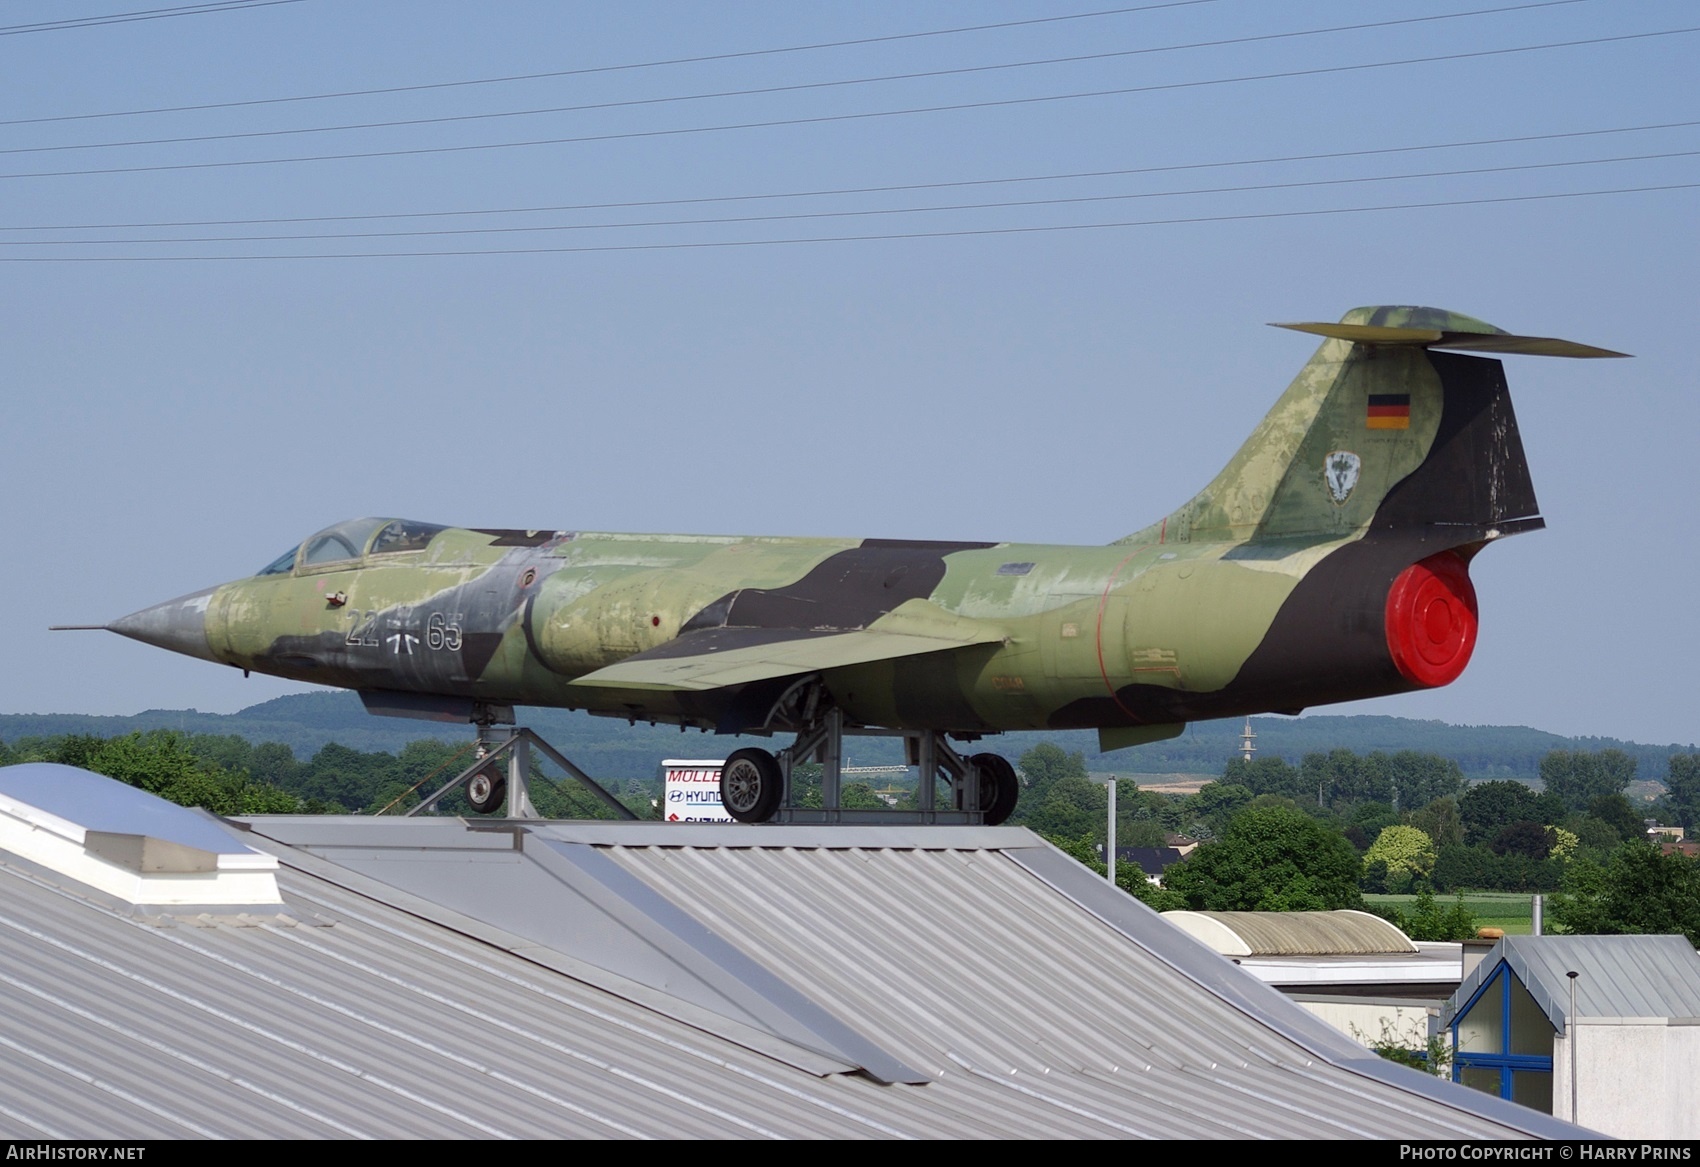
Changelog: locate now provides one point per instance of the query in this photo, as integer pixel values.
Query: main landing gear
(755, 785)
(752, 785)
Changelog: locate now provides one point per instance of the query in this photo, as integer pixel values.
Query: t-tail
(1391, 460)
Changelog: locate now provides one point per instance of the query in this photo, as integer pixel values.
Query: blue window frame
(1502, 1043)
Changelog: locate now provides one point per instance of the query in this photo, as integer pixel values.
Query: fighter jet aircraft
(1329, 561)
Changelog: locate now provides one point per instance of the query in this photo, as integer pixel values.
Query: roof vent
(126, 842)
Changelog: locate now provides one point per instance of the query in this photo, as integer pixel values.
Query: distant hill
(609, 748)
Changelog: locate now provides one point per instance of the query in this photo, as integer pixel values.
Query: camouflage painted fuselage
(1325, 563)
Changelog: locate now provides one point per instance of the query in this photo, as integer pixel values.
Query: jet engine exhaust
(1431, 620)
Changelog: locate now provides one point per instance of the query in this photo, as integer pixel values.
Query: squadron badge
(1340, 470)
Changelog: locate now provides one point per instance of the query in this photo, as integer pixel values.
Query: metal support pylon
(517, 746)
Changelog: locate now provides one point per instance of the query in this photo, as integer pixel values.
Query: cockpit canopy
(354, 539)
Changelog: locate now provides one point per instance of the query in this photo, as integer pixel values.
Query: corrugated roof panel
(962, 962)
(308, 1035)
(1025, 992)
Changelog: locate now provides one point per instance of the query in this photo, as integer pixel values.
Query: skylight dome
(128, 843)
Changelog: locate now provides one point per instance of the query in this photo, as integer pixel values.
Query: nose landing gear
(492, 779)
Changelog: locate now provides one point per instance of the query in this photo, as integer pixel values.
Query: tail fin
(1380, 431)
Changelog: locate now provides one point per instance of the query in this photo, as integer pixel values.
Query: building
(166, 974)
(1351, 969)
(1624, 1010)
(1154, 861)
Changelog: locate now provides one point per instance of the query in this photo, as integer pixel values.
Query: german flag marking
(1388, 411)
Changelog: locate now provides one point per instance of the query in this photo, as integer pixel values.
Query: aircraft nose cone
(179, 625)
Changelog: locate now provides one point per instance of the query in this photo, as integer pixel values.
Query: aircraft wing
(715, 658)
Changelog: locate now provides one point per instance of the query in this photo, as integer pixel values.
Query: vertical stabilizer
(1374, 432)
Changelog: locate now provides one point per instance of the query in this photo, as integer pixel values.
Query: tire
(486, 789)
(999, 787)
(751, 785)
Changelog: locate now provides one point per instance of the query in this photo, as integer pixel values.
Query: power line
(848, 117)
(889, 189)
(588, 107)
(124, 113)
(133, 17)
(869, 212)
(707, 244)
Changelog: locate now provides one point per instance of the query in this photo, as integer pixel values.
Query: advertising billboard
(690, 791)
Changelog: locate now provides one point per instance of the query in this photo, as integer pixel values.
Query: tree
(1270, 858)
(1140, 832)
(1439, 821)
(1340, 776)
(273, 763)
(1580, 776)
(349, 778)
(1434, 1058)
(1427, 920)
(1524, 838)
(1070, 808)
(1373, 818)
(1638, 891)
(1593, 836)
(1683, 788)
(1046, 763)
(1216, 803)
(162, 762)
(859, 796)
(1419, 779)
(1267, 775)
(77, 749)
(225, 751)
(1489, 807)
(1408, 856)
(1616, 812)
(1457, 868)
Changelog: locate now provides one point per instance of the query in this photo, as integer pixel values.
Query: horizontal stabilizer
(720, 657)
(1478, 342)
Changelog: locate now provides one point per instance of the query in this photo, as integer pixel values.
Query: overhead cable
(871, 40)
(859, 190)
(133, 17)
(863, 212)
(706, 244)
(823, 119)
(762, 91)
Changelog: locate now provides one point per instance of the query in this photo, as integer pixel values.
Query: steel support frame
(517, 744)
(925, 749)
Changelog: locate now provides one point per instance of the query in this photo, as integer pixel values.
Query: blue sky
(177, 423)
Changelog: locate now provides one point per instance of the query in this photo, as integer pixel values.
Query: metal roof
(914, 982)
(1654, 979)
(1337, 933)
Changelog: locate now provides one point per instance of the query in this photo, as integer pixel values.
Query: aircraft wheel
(999, 787)
(486, 789)
(751, 785)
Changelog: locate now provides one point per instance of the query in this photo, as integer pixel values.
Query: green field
(1510, 910)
